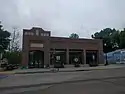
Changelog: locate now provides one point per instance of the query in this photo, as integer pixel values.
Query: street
(109, 81)
(112, 86)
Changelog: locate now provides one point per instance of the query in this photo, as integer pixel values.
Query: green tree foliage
(110, 38)
(122, 39)
(4, 39)
(74, 36)
(13, 57)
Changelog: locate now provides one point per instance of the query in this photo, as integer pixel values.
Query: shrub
(13, 57)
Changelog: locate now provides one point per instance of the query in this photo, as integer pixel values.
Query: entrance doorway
(75, 56)
(58, 55)
(91, 58)
(36, 59)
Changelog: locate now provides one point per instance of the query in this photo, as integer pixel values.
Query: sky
(63, 17)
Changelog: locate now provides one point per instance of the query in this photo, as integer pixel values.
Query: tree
(122, 39)
(116, 39)
(14, 54)
(15, 42)
(110, 38)
(74, 36)
(4, 39)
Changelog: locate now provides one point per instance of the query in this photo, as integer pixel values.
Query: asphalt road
(110, 81)
(112, 86)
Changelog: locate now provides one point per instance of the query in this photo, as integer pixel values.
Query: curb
(64, 71)
(7, 72)
(11, 72)
(50, 71)
(32, 72)
(54, 83)
(42, 72)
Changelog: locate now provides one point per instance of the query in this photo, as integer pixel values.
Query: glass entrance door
(75, 57)
(91, 57)
(36, 59)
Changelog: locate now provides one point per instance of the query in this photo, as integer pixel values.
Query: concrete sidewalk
(67, 69)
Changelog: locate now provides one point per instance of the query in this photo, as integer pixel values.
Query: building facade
(117, 56)
(39, 49)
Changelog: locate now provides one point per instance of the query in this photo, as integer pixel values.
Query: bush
(13, 57)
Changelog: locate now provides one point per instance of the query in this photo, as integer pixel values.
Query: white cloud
(63, 17)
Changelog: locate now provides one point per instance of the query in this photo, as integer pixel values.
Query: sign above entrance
(40, 45)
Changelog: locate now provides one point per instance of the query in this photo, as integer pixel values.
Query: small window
(44, 34)
(57, 57)
(37, 32)
(29, 33)
(26, 33)
(47, 34)
(41, 34)
(32, 34)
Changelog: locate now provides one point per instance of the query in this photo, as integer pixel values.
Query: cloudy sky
(63, 17)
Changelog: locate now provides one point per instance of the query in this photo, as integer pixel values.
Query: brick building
(39, 47)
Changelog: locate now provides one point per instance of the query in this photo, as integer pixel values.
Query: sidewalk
(67, 69)
(71, 69)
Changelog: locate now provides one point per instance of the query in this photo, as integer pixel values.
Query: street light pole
(53, 56)
(106, 57)
(1, 51)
